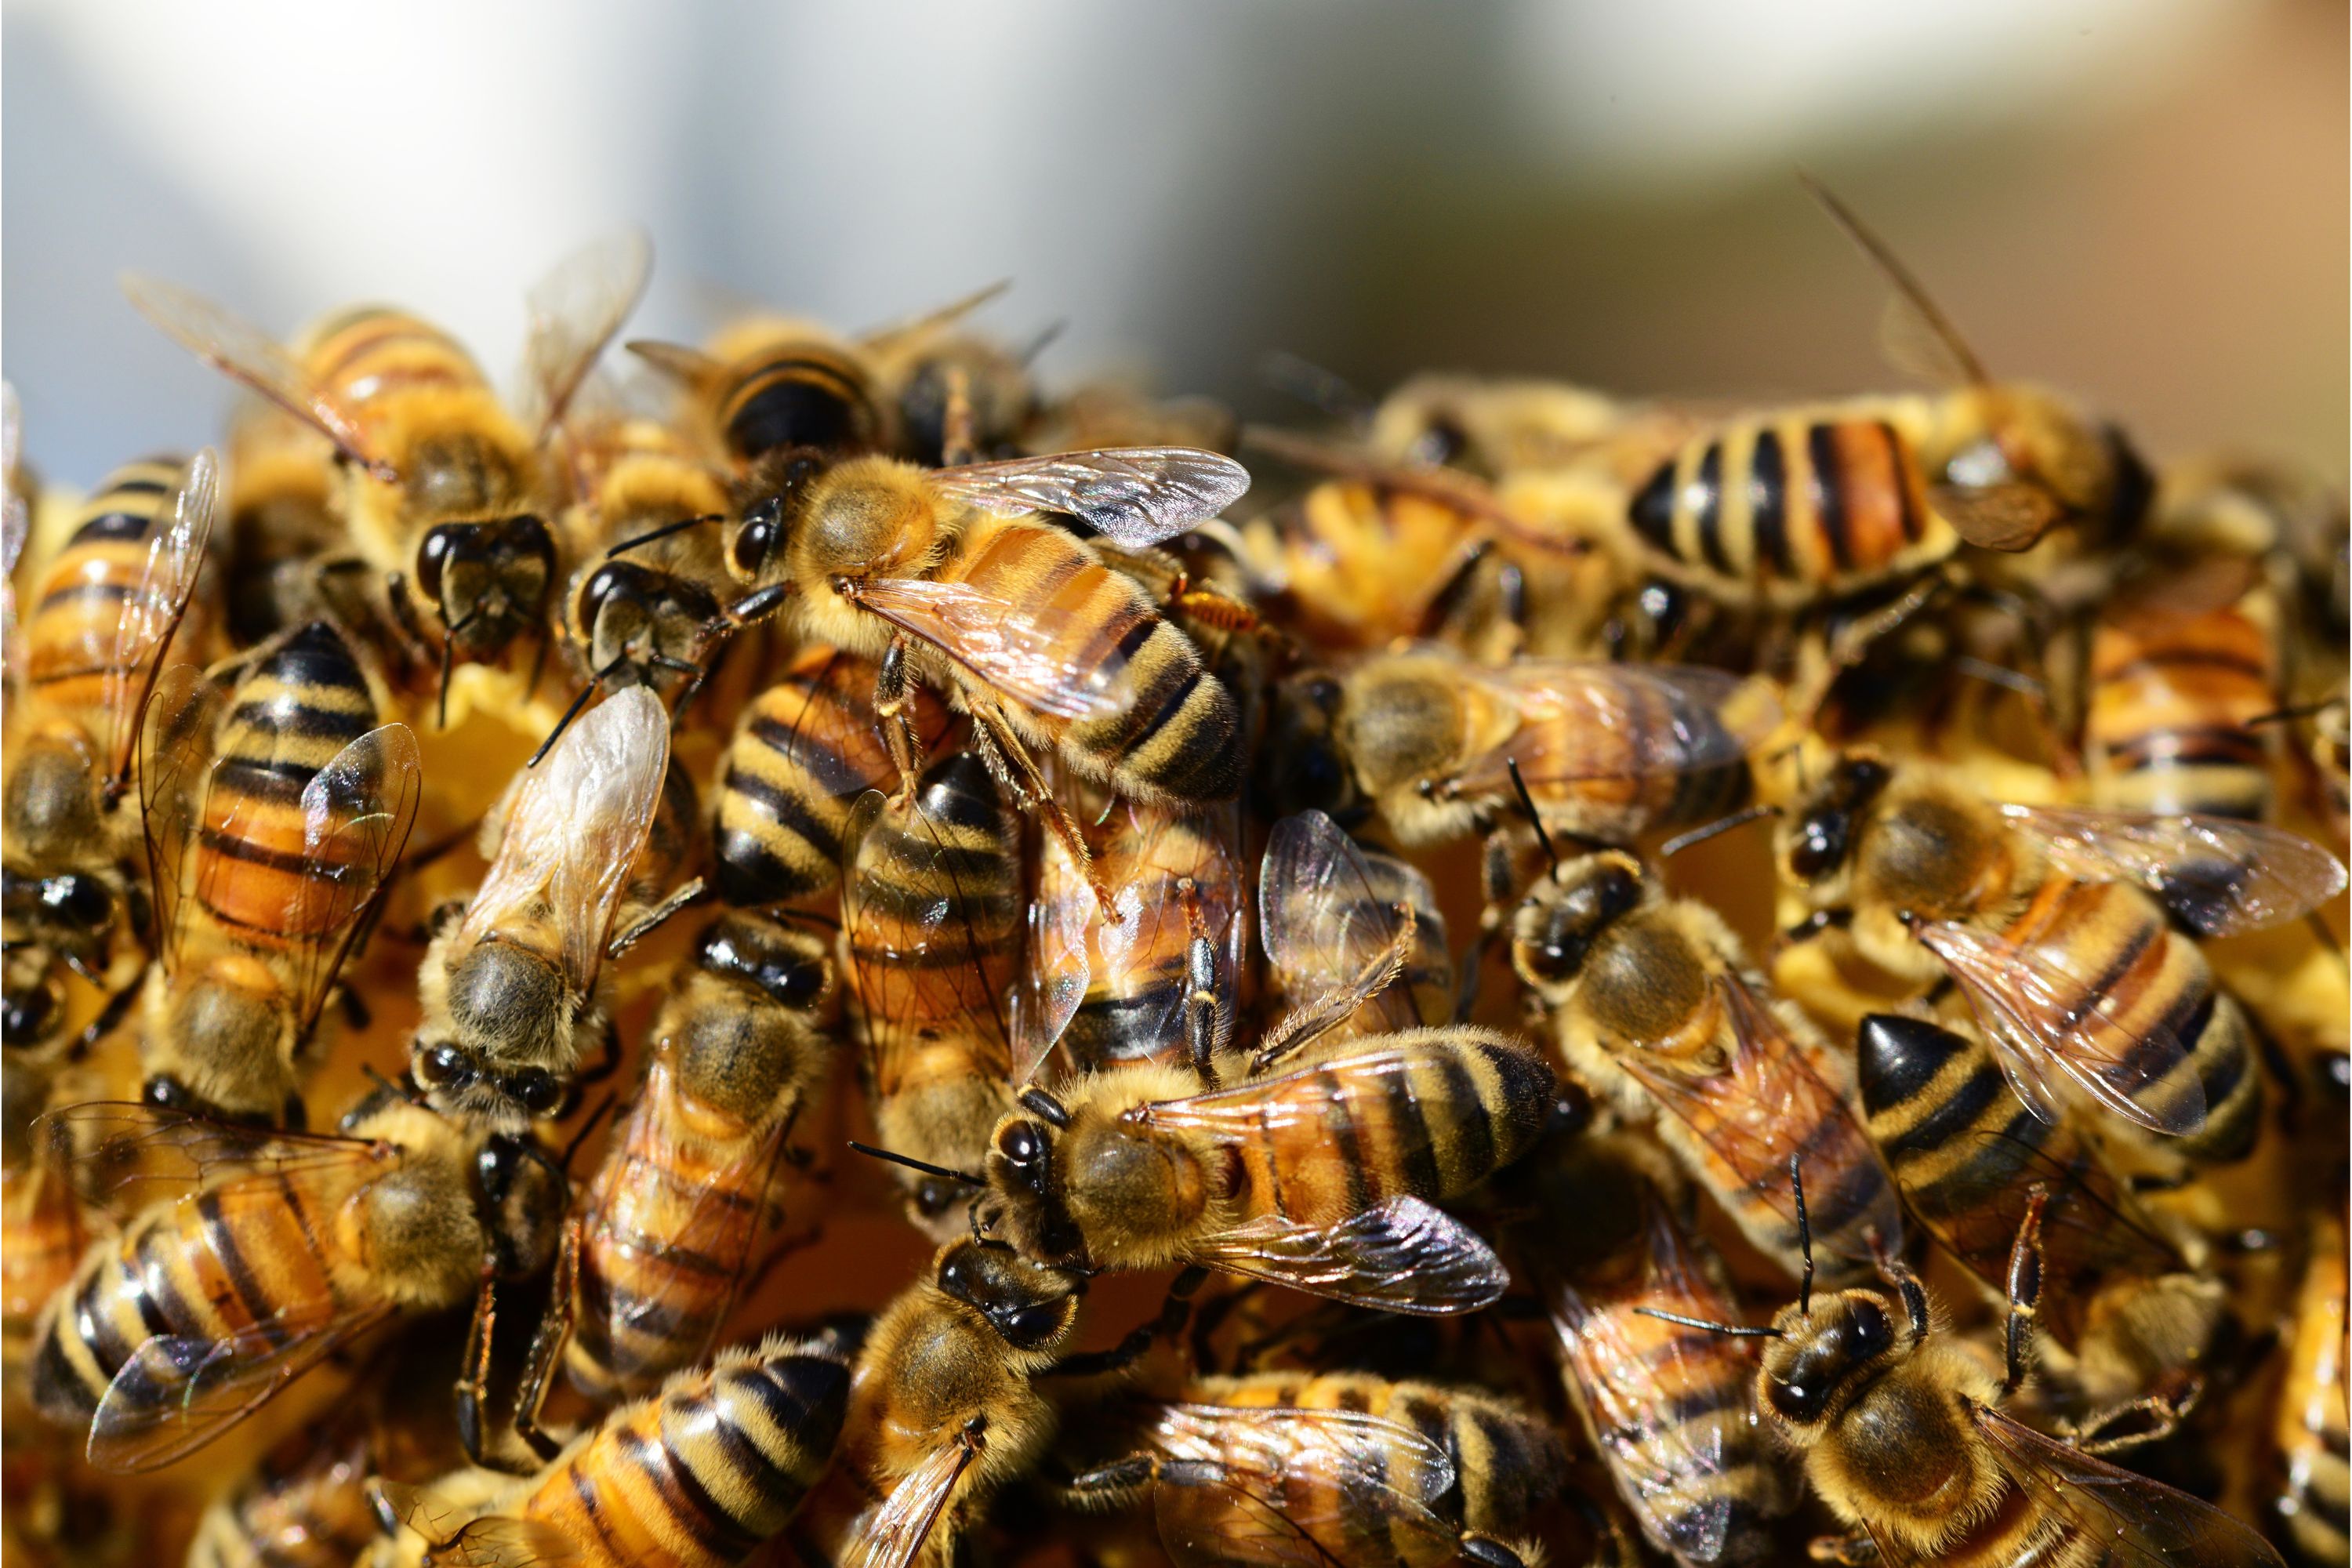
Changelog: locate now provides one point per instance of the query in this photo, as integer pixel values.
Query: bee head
(1302, 766)
(1030, 1306)
(1822, 1356)
(1024, 1182)
(487, 579)
(497, 1055)
(1554, 928)
(1400, 720)
(523, 1194)
(1817, 840)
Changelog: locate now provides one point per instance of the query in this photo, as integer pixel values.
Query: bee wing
(175, 554)
(915, 328)
(1018, 650)
(1402, 1256)
(175, 1395)
(356, 814)
(134, 1154)
(2220, 875)
(2084, 1230)
(1168, 842)
(1916, 334)
(1336, 931)
(574, 311)
(1136, 496)
(892, 1536)
(176, 746)
(1643, 720)
(2006, 517)
(2136, 1520)
(1298, 1488)
(576, 826)
(2038, 1015)
(488, 1541)
(1766, 1104)
(244, 353)
(1056, 966)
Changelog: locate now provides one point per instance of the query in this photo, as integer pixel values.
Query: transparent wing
(1021, 651)
(919, 327)
(356, 814)
(1581, 722)
(2005, 517)
(2221, 876)
(2135, 1520)
(1298, 1488)
(134, 1154)
(175, 771)
(1336, 931)
(575, 828)
(1152, 850)
(1403, 1255)
(244, 353)
(175, 554)
(1137, 496)
(2085, 1232)
(1057, 965)
(2038, 1015)
(489, 1540)
(1766, 1104)
(892, 1535)
(1925, 342)
(175, 1395)
(574, 311)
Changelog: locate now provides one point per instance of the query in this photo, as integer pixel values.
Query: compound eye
(1800, 1401)
(1820, 845)
(439, 547)
(442, 1067)
(528, 535)
(1019, 1142)
(26, 1015)
(1032, 1325)
(536, 1089)
(598, 588)
(82, 900)
(763, 522)
(799, 985)
(1871, 1334)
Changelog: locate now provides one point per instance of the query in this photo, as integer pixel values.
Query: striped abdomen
(1966, 1152)
(664, 1237)
(794, 393)
(2314, 1499)
(364, 354)
(1585, 762)
(2149, 978)
(1363, 566)
(43, 1234)
(1793, 510)
(803, 751)
(1139, 980)
(1175, 732)
(1508, 1461)
(314, 1515)
(70, 629)
(1671, 1410)
(2167, 723)
(1331, 1140)
(295, 707)
(699, 1475)
(206, 1267)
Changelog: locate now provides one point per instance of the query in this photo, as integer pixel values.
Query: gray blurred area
(2142, 200)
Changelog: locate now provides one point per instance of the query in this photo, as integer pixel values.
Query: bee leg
(1851, 641)
(1855, 1550)
(893, 704)
(547, 1346)
(1200, 1012)
(1174, 1313)
(607, 1063)
(2024, 1291)
(110, 1017)
(1037, 795)
(683, 895)
(354, 1007)
(473, 1389)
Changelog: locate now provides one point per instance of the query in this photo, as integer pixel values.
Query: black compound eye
(536, 1089)
(435, 553)
(24, 1017)
(442, 1067)
(796, 986)
(1869, 1329)
(81, 899)
(1032, 1325)
(756, 539)
(528, 535)
(1019, 1142)
(1800, 1399)
(1818, 845)
(595, 590)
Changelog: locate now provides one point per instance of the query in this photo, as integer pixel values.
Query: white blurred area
(2144, 199)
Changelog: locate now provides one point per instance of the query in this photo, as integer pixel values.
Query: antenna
(1535, 817)
(664, 531)
(1734, 1329)
(966, 1177)
(1805, 1239)
(1681, 841)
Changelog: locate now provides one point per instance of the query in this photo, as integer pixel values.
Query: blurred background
(2142, 200)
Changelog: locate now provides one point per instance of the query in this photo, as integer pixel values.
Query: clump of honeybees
(1567, 980)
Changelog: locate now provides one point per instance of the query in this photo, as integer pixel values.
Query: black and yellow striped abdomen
(2168, 726)
(795, 393)
(369, 352)
(1327, 1143)
(1169, 729)
(803, 752)
(71, 628)
(1158, 861)
(699, 1475)
(1785, 511)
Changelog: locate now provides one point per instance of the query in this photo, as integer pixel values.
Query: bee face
(1823, 1358)
(624, 609)
(1820, 839)
(1304, 765)
(1032, 1307)
(1554, 929)
(1400, 721)
(487, 579)
(1025, 1188)
(505, 1007)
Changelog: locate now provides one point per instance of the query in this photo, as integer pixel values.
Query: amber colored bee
(1335, 915)
(2310, 1428)
(444, 489)
(94, 637)
(1902, 1436)
(948, 578)
(509, 989)
(932, 918)
(1655, 1007)
(956, 394)
(274, 817)
(1344, 1468)
(2055, 924)
(805, 751)
(766, 384)
(45, 1228)
(1670, 1413)
(305, 1506)
(667, 1233)
(288, 1247)
(695, 1476)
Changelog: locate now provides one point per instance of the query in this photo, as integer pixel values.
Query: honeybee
(444, 490)
(768, 384)
(305, 1506)
(1968, 1158)
(2311, 1424)
(1138, 1168)
(695, 1476)
(1335, 915)
(318, 1238)
(285, 538)
(45, 1227)
(1672, 1415)
(805, 751)
(955, 395)
(95, 639)
(665, 1238)
(274, 817)
(1343, 1469)
(931, 917)
(509, 989)
(1787, 510)
(1655, 1007)
(1902, 1435)
(2054, 923)
(948, 578)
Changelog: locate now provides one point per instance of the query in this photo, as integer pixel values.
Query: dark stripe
(101, 591)
(113, 527)
(287, 716)
(1474, 1129)
(1169, 708)
(272, 779)
(1954, 1116)
(2160, 660)
(1828, 495)
(57, 1384)
(1417, 1156)
(252, 854)
(1651, 509)
(783, 806)
(691, 1505)
(1340, 1120)
(222, 1238)
(151, 1311)
(1135, 637)
(738, 1453)
(1710, 509)
(793, 741)
(1767, 502)
(583, 1486)
(1898, 470)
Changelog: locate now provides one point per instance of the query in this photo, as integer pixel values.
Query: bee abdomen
(806, 395)
(81, 600)
(1184, 735)
(803, 753)
(2169, 723)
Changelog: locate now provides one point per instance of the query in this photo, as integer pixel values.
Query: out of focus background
(2142, 200)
